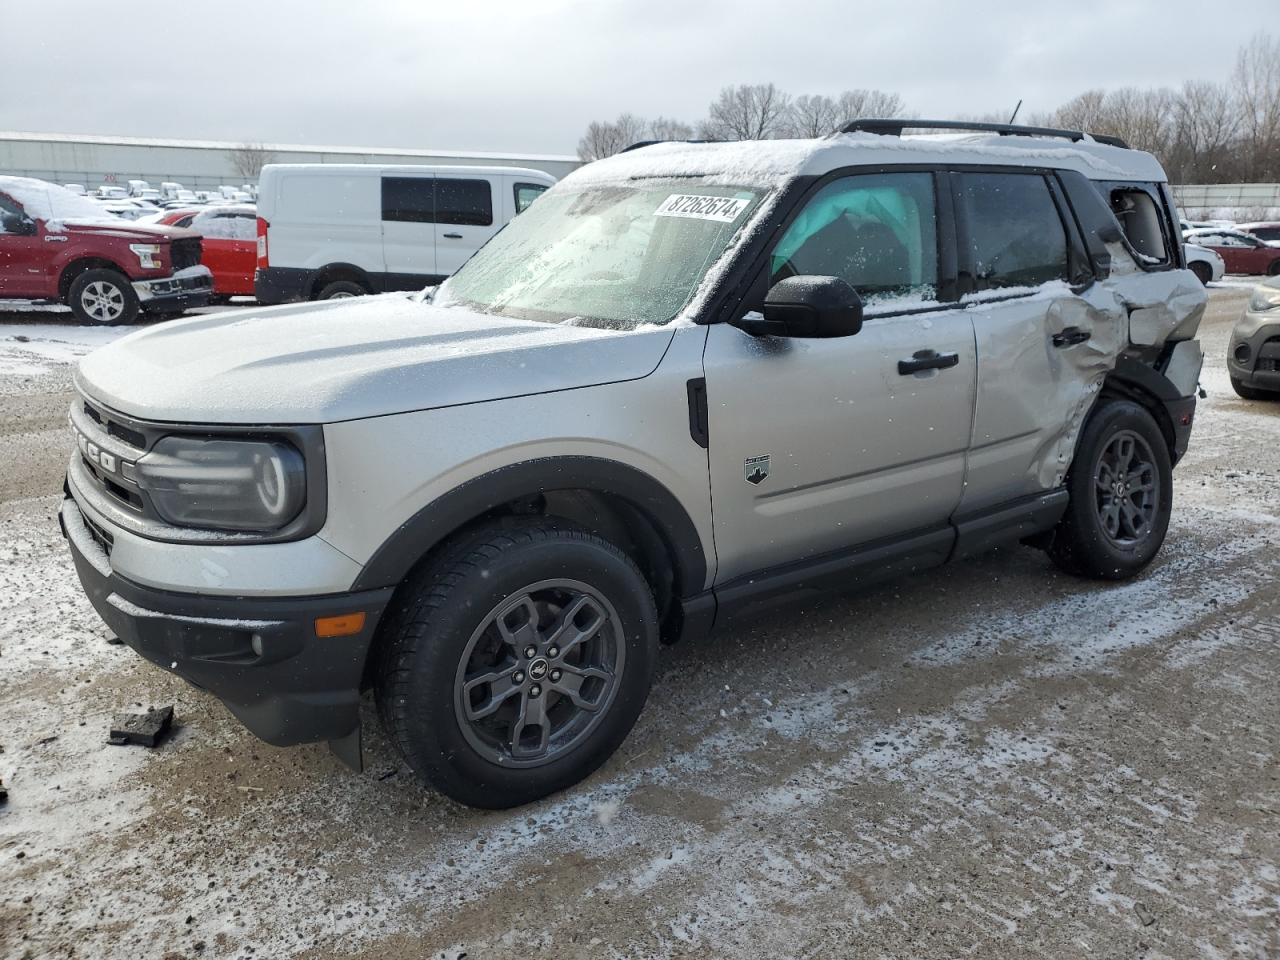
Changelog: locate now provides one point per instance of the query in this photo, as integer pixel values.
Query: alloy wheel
(538, 675)
(1127, 487)
(103, 301)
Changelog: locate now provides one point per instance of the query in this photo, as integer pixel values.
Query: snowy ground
(991, 760)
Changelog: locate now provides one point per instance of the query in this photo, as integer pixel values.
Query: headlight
(253, 485)
(147, 252)
(1264, 298)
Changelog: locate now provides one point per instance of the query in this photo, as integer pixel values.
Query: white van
(342, 230)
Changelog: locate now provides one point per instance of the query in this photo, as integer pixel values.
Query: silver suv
(688, 379)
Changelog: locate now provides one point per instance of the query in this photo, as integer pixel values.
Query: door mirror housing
(17, 224)
(807, 307)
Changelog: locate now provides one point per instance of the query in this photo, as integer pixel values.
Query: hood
(130, 230)
(349, 359)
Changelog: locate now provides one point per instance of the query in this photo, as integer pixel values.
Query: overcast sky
(528, 76)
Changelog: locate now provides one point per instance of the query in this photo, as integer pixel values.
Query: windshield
(606, 255)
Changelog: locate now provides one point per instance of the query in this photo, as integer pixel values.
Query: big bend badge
(755, 469)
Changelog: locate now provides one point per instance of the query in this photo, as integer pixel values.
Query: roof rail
(649, 143)
(894, 128)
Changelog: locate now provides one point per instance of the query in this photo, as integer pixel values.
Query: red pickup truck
(56, 246)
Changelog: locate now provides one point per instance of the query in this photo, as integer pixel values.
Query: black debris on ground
(144, 729)
(4, 794)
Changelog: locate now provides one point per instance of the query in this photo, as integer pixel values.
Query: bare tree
(1256, 86)
(666, 128)
(747, 112)
(604, 138)
(1206, 126)
(248, 159)
(868, 103)
(813, 115)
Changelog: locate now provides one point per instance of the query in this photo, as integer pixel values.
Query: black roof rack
(894, 128)
(649, 143)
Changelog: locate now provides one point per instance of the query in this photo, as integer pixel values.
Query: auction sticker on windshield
(723, 209)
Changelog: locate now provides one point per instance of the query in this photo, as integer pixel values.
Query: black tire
(1273, 269)
(1202, 272)
(340, 290)
(1084, 543)
(1247, 392)
(442, 639)
(103, 298)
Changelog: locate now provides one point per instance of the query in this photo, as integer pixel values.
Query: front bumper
(187, 288)
(1253, 356)
(259, 656)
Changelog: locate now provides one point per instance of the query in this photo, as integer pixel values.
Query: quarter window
(878, 232)
(1016, 237)
(467, 203)
(408, 199)
(526, 193)
(1141, 221)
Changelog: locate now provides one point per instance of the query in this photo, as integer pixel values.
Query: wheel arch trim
(433, 523)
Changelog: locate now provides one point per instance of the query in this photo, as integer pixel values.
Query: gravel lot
(991, 760)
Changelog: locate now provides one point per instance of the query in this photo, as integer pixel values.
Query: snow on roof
(274, 147)
(765, 161)
(41, 200)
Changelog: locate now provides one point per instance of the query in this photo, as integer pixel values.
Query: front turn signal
(343, 625)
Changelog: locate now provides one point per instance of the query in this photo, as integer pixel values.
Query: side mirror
(807, 307)
(17, 224)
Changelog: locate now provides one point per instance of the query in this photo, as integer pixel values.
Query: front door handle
(927, 360)
(453, 236)
(1070, 337)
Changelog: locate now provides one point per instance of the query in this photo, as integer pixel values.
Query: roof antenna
(1015, 111)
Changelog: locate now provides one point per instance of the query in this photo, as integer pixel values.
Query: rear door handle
(453, 236)
(927, 360)
(1070, 337)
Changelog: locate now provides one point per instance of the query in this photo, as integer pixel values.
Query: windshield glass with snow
(608, 255)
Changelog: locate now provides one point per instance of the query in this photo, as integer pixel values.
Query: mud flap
(350, 750)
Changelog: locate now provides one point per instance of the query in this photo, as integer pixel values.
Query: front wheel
(1202, 272)
(1121, 489)
(103, 298)
(341, 290)
(516, 663)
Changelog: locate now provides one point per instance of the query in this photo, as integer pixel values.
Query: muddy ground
(991, 760)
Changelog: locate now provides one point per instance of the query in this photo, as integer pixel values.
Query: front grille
(185, 253)
(114, 428)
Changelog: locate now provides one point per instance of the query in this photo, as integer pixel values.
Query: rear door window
(467, 203)
(1015, 237)
(408, 199)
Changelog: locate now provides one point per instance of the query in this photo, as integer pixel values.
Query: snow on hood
(349, 359)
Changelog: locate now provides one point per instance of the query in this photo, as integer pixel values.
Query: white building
(205, 164)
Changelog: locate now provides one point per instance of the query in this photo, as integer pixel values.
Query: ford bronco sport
(59, 247)
(690, 378)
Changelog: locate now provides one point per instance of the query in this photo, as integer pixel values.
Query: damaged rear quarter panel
(1034, 397)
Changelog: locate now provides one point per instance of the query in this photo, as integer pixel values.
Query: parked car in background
(109, 191)
(58, 247)
(1268, 230)
(76, 188)
(1204, 263)
(230, 244)
(130, 208)
(1253, 356)
(341, 230)
(1242, 252)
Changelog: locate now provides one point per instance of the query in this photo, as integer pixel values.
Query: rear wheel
(103, 297)
(341, 290)
(1121, 489)
(1274, 269)
(517, 662)
(1202, 272)
(1247, 392)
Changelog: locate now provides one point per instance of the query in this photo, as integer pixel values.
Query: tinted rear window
(464, 202)
(1016, 236)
